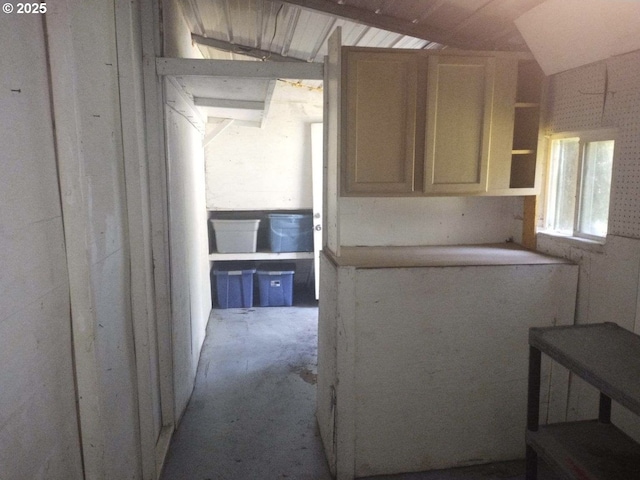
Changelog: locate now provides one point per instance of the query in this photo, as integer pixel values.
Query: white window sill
(579, 242)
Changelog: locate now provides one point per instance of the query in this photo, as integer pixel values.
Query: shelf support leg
(531, 464)
(533, 409)
(604, 410)
(533, 401)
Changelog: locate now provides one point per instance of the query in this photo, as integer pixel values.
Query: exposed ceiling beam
(227, 103)
(385, 22)
(241, 49)
(233, 68)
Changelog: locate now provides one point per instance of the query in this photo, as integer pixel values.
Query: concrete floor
(251, 416)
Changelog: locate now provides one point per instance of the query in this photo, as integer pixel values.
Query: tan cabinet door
(380, 109)
(458, 127)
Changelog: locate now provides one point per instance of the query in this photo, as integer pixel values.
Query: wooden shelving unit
(526, 126)
(264, 255)
(608, 357)
(262, 242)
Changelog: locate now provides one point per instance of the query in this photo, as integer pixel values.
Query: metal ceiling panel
(310, 36)
(288, 30)
(211, 19)
(297, 30)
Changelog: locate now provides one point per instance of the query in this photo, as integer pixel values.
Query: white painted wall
(269, 168)
(188, 236)
(191, 291)
(152, 397)
(38, 421)
(609, 285)
(429, 221)
(86, 102)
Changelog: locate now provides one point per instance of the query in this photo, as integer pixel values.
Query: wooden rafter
(241, 49)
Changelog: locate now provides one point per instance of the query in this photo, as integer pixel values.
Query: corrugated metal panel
(311, 34)
(290, 30)
(299, 29)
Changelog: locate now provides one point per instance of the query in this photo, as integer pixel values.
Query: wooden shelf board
(587, 449)
(604, 354)
(261, 256)
(522, 152)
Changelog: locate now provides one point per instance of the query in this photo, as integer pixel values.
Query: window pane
(564, 179)
(596, 186)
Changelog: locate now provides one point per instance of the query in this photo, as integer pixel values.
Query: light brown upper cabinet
(459, 106)
(380, 94)
(428, 123)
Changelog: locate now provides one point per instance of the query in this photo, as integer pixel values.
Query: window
(579, 185)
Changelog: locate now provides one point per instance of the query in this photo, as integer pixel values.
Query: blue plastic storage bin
(290, 232)
(276, 284)
(234, 286)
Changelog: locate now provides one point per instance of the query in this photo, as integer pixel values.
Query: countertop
(440, 256)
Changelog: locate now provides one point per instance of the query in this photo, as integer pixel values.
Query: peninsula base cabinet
(422, 360)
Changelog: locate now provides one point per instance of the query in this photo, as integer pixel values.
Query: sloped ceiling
(298, 29)
(564, 34)
(561, 34)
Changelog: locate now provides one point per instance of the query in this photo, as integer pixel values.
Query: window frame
(584, 137)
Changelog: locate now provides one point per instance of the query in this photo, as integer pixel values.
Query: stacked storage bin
(291, 232)
(234, 284)
(276, 284)
(236, 236)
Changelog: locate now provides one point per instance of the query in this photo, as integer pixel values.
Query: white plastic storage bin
(236, 236)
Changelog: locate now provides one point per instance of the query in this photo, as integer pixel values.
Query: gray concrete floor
(251, 416)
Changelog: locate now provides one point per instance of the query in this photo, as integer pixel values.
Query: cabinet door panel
(459, 98)
(381, 90)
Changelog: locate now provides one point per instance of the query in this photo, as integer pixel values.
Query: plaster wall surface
(38, 420)
(268, 168)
